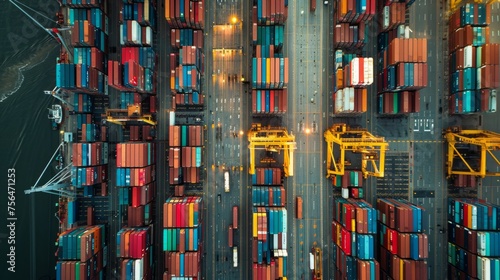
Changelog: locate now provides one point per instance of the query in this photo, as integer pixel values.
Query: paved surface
(226, 55)
(306, 46)
(416, 151)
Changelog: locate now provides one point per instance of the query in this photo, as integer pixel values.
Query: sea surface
(27, 67)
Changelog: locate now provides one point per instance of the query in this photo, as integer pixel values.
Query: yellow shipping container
(254, 223)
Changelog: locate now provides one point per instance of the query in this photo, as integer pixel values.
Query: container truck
(230, 237)
(235, 256)
(235, 217)
(299, 207)
(226, 181)
(318, 264)
(312, 5)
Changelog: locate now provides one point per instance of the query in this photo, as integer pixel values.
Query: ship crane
(59, 184)
(53, 32)
(59, 94)
(272, 139)
(468, 151)
(354, 140)
(133, 113)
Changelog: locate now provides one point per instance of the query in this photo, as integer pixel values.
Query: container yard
(276, 139)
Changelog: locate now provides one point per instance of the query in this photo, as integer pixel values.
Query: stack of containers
(137, 69)
(350, 18)
(402, 62)
(88, 129)
(182, 237)
(403, 246)
(269, 66)
(186, 19)
(353, 233)
(269, 224)
(474, 62)
(147, 102)
(87, 71)
(352, 76)
(464, 181)
(351, 183)
(473, 239)
(350, 80)
(185, 153)
(135, 177)
(90, 168)
(82, 253)
(134, 248)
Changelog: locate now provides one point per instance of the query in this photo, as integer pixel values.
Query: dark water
(27, 64)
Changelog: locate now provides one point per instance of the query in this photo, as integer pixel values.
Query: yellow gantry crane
(132, 113)
(455, 4)
(354, 140)
(272, 139)
(470, 148)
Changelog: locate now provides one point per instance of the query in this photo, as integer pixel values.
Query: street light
(234, 20)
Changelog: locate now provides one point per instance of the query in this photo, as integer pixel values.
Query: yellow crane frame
(356, 141)
(487, 141)
(274, 139)
(132, 113)
(455, 4)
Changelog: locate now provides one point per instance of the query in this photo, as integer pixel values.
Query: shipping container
(398, 268)
(355, 11)
(298, 208)
(268, 196)
(81, 243)
(235, 217)
(312, 6)
(186, 264)
(355, 215)
(269, 101)
(182, 212)
(135, 154)
(400, 215)
(230, 236)
(267, 176)
(474, 214)
(185, 14)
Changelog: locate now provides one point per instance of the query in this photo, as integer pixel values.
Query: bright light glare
(307, 131)
(241, 132)
(234, 20)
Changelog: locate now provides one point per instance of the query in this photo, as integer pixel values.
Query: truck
(226, 181)
(298, 213)
(312, 5)
(230, 237)
(235, 217)
(317, 263)
(235, 256)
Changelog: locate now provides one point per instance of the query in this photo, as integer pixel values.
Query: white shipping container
(386, 17)
(136, 33)
(275, 241)
(149, 36)
(226, 181)
(311, 261)
(493, 101)
(345, 105)
(355, 71)
(474, 217)
(351, 100)
(339, 103)
(284, 220)
(345, 193)
(171, 118)
(283, 241)
(235, 256)
(468, 56)
(369, 75)
(138, 269)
